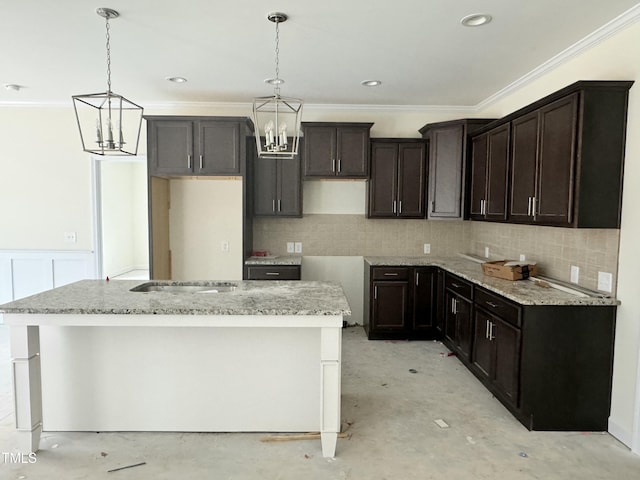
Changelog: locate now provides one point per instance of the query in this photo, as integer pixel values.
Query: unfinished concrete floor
(387, 410)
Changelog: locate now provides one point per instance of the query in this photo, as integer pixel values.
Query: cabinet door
(390, 301)
(289, 200)
(556, 160)
(383, 184)
(218, 148)
(450, 320)
(352, 154)
(495, 207)
(264, 186)
(319, 150)
(479, 153)
(524, 148)
(482, 347)
(445, 172)
(441, 305)
(507, 359)
(464, 328)
(170, 147)
(424, 297)
(411, 180)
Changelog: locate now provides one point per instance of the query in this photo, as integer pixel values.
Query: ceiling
(225, 48)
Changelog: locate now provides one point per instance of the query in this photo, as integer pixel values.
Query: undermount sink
(185, 287)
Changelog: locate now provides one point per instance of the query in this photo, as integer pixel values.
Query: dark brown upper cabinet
(333, 150)
(196, 145)
(567, 157)
(490, 174)
(277, 187)
(449, 145)
(398, 178)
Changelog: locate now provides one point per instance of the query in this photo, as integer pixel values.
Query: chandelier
(277, 118)
(109, 124)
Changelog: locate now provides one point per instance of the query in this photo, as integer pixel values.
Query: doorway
(121, 217)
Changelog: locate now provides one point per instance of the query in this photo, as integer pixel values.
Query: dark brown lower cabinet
(400, 302)
(549, 365)
(273, 272)
(458, 319)
(496, 352)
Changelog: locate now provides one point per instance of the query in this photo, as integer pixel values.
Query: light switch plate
(575, 274)
(290, 248)
(298, 247)
(427, 248)
(523, 258)
(605, 281)
(70, 237)
(224, 246)
(486, 252)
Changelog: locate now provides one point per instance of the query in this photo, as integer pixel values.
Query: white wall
(205, 213)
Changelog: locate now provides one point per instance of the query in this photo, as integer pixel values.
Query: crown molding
(616, 25)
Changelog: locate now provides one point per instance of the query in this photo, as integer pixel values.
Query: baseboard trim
(622, 434)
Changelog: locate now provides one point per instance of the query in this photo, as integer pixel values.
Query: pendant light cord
(108, 56)
(277, 86)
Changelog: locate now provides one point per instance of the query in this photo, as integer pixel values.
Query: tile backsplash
(554, 249)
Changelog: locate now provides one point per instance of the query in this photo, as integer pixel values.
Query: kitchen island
(256, 357)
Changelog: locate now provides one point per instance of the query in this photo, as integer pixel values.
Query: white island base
(185, 373)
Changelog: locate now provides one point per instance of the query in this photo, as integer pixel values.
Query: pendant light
(277, 118)
(109, 123)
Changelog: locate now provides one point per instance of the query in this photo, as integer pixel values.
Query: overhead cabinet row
(557, 162)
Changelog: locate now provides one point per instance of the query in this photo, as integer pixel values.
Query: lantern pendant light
(277, 118)
(109, 124)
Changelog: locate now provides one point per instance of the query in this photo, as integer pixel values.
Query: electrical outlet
(290, 248)
(70, 237)
(298, 247)
(605, 281)
(575, 274)
(224, 246)
(486, 252)
(523, 258)
(427, 248)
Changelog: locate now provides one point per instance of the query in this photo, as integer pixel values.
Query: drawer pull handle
(456, 285)
(272, 273)
(390, 274)
(491, 304)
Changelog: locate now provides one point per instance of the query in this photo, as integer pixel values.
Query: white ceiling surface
(225, 48)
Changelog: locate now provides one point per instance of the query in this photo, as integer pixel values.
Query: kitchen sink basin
(185, 287)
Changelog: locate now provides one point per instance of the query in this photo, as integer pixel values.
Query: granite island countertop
(250, 297)
(525, 292)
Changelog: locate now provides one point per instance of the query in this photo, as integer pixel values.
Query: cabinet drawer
(273, 272)
(391, 273)
(498, 306)
(456, 284)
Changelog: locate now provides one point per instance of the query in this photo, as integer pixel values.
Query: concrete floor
(387, 410)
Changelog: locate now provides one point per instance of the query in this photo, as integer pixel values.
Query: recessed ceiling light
(476, 19)
(370, 83)
(177, 79)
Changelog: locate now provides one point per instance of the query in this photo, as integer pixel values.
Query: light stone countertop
(525, 292)
(276, 260)
(251, 297)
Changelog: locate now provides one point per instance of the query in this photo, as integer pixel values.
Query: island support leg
(330, 356)
(27, 388)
